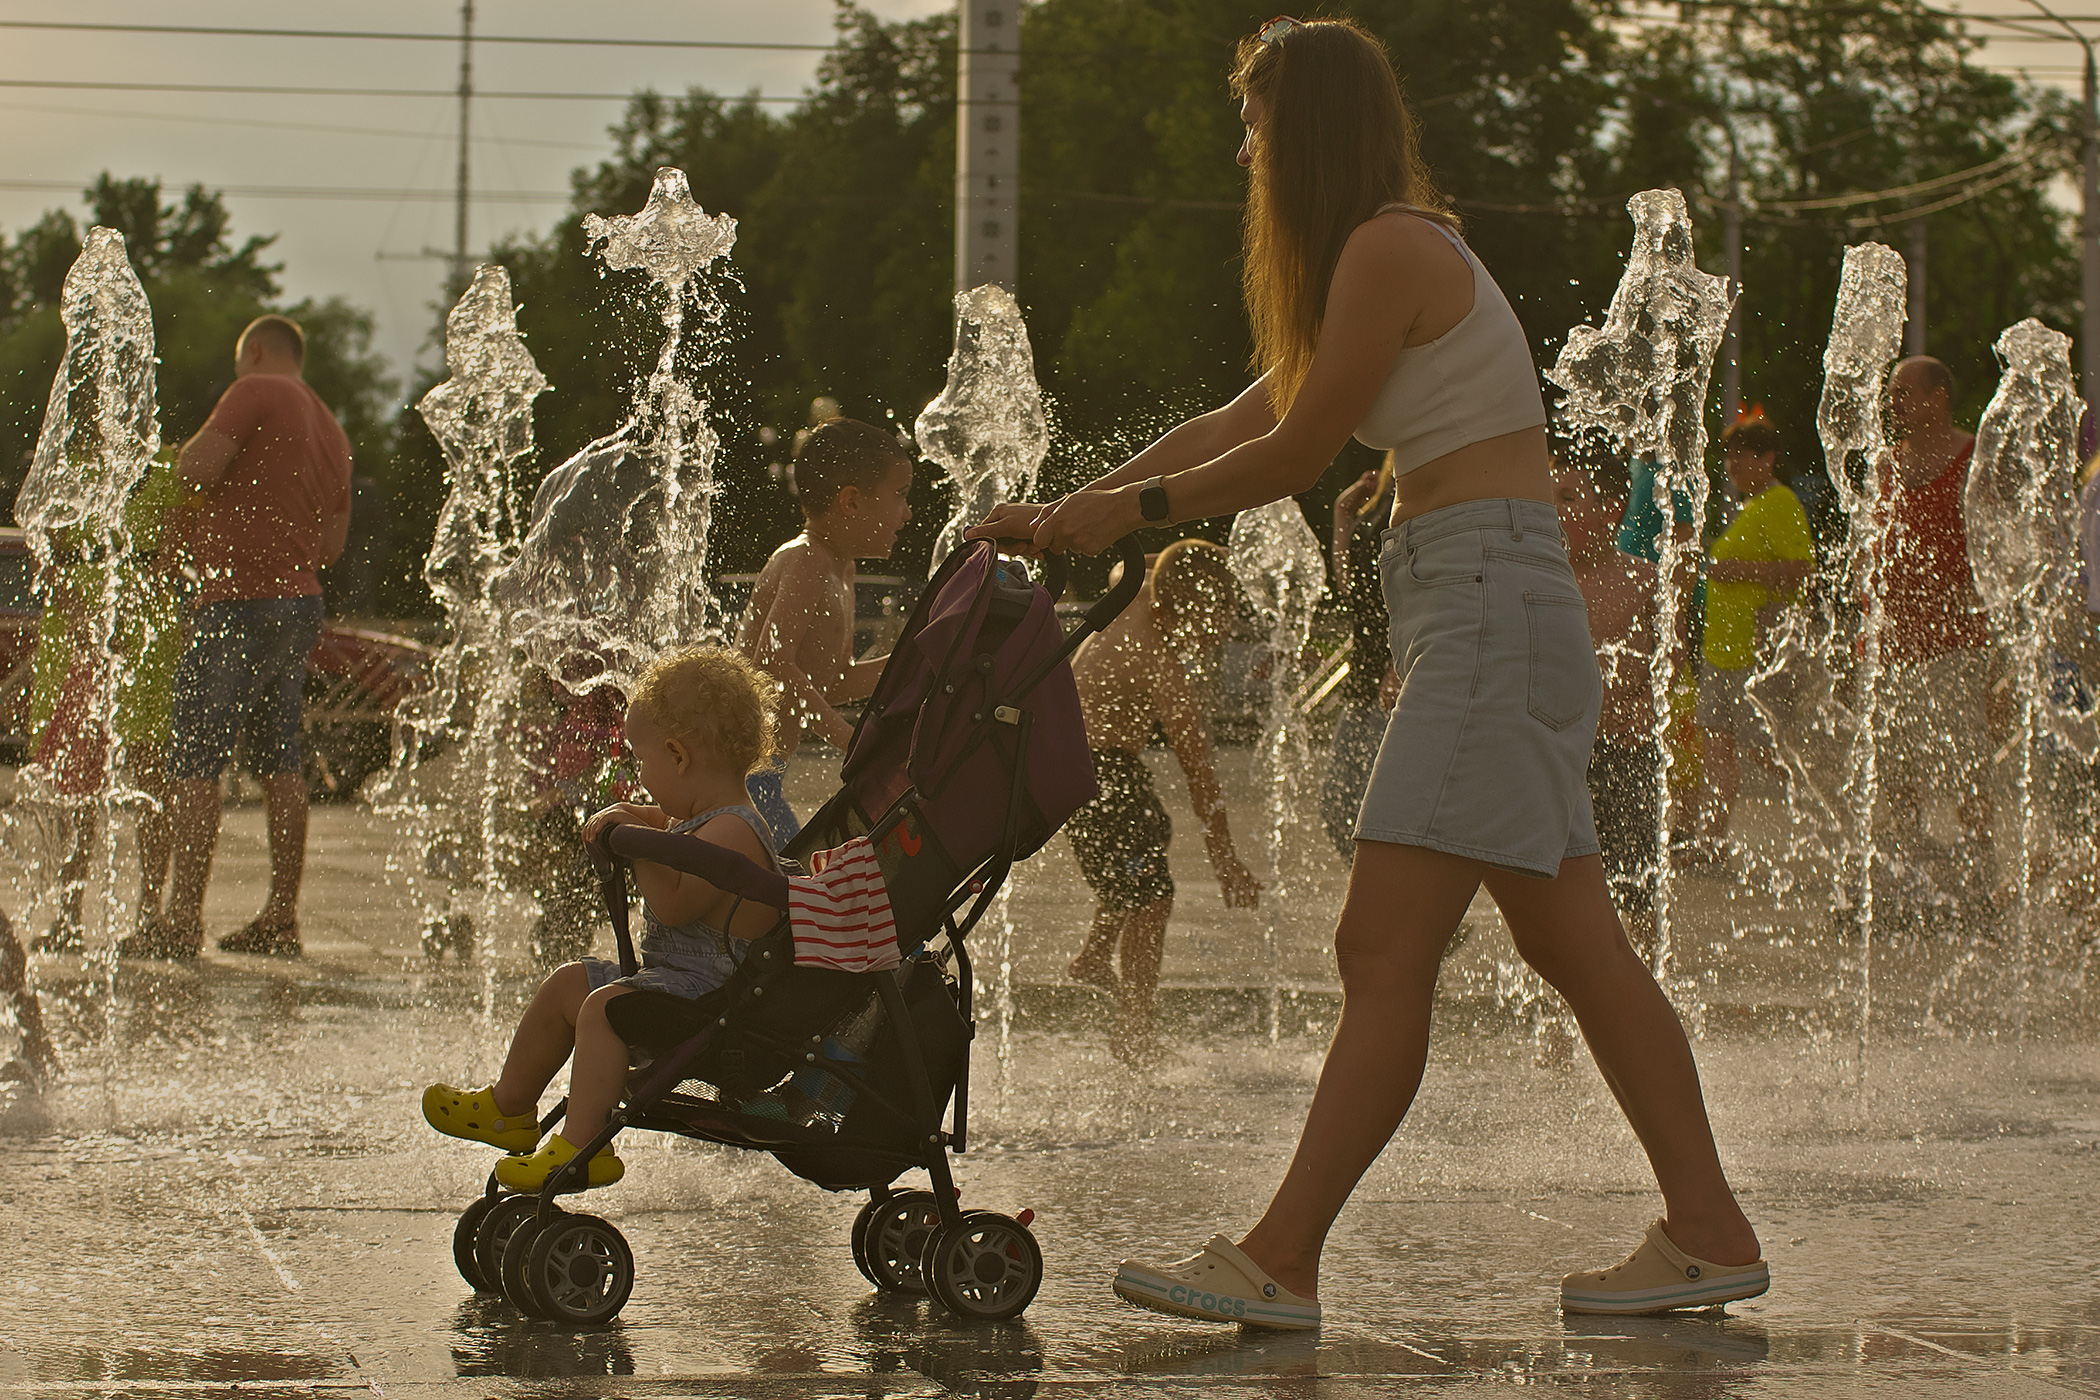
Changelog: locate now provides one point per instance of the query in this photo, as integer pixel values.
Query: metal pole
(2089, 342)
(987, 144)
(466, 94)
(2089, 219)
(1732, 234)
(1914, 256)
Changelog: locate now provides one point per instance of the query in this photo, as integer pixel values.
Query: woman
(1372, 318)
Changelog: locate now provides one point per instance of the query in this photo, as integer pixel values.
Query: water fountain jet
(1641, 379)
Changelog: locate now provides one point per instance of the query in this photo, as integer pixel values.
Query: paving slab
(229, 1189)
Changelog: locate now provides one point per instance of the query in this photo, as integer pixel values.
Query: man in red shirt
(1936, 640)
(271, 469)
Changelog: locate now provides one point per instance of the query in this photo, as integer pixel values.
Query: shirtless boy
(1129, 676)
(851, 480)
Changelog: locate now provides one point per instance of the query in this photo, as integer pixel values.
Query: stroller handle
(718, 865)
(1112, 603)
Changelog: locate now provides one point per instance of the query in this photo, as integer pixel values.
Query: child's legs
(156, 827)
(1566, 929)
(73, 874)
(1403, 905)
(600, 1071)
(546, 1033)
(1144, 937)
(1097, 957)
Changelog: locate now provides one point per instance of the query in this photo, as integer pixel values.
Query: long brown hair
(1337, 142)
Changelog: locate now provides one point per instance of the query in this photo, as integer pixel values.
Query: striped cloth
(840, 912)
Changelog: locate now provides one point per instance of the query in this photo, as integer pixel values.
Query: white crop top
(1475, 381)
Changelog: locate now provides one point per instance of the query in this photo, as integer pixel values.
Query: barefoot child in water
(851, 480)
(700, 721)
(1129, 676)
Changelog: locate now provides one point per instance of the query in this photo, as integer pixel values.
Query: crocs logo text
(1209, 1302)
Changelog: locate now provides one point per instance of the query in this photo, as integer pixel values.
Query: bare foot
(1095, 972)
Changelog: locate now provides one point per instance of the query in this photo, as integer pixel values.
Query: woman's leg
(1404, 902)
(546, 1034)
(600, 1071)
(1566, 928)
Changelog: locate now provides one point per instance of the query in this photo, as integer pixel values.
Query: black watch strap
(1152, 501)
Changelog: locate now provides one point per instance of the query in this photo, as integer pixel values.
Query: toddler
(699, 723)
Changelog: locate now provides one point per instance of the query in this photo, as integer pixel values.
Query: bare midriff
(1514, 466)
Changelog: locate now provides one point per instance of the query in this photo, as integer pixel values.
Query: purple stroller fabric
(980, 627)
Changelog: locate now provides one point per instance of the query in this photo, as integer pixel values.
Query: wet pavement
(229, 1190)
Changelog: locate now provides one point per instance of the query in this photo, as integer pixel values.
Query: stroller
(969, 756)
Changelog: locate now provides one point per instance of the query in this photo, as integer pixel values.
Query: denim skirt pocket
(1564, 683)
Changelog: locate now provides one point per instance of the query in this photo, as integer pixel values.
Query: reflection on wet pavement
(229, 1191)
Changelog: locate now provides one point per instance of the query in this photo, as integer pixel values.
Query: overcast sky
(249, 144)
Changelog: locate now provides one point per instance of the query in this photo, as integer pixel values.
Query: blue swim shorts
(243, 681)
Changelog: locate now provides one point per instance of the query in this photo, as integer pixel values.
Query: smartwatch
(1152, 501)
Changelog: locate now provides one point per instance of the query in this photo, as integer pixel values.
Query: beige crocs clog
(1219, 1285)
(1660, 1277)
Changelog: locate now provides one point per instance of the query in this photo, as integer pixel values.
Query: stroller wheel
(512, 1273)
(987, 1269)
(463, 1244)
(890, 1239)
(493, 1233)
(580, 1271)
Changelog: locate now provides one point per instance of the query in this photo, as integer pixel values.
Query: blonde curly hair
(711, 697)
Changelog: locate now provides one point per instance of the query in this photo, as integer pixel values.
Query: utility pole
(1732, 233)
(988, 144)
(461, 264)
(2089, 220)
(1914, 273)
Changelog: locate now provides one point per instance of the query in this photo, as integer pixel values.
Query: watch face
(1152, 503)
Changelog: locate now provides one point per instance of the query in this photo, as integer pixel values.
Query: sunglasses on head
(1276, 28)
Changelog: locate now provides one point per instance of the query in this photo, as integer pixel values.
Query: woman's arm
(1381, 286)
(1197, 440)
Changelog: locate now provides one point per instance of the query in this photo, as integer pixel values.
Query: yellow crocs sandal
(531, 1173)
(1660, 1277)
(1219, 1285)
(471, 1114)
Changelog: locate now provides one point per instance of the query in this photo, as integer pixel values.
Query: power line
(295, 126)
(577, 41)
(347, 192)
(450, 93)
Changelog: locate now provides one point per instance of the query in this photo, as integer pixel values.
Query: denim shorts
(1488, 748)
(243, 681)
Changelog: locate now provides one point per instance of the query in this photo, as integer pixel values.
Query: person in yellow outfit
(1756, 567)
(72, 743)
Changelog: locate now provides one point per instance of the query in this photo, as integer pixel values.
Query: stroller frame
(978, 1264)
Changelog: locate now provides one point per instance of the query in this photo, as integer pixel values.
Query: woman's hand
(1085, 522)
(1010, 520)
(622, 814)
